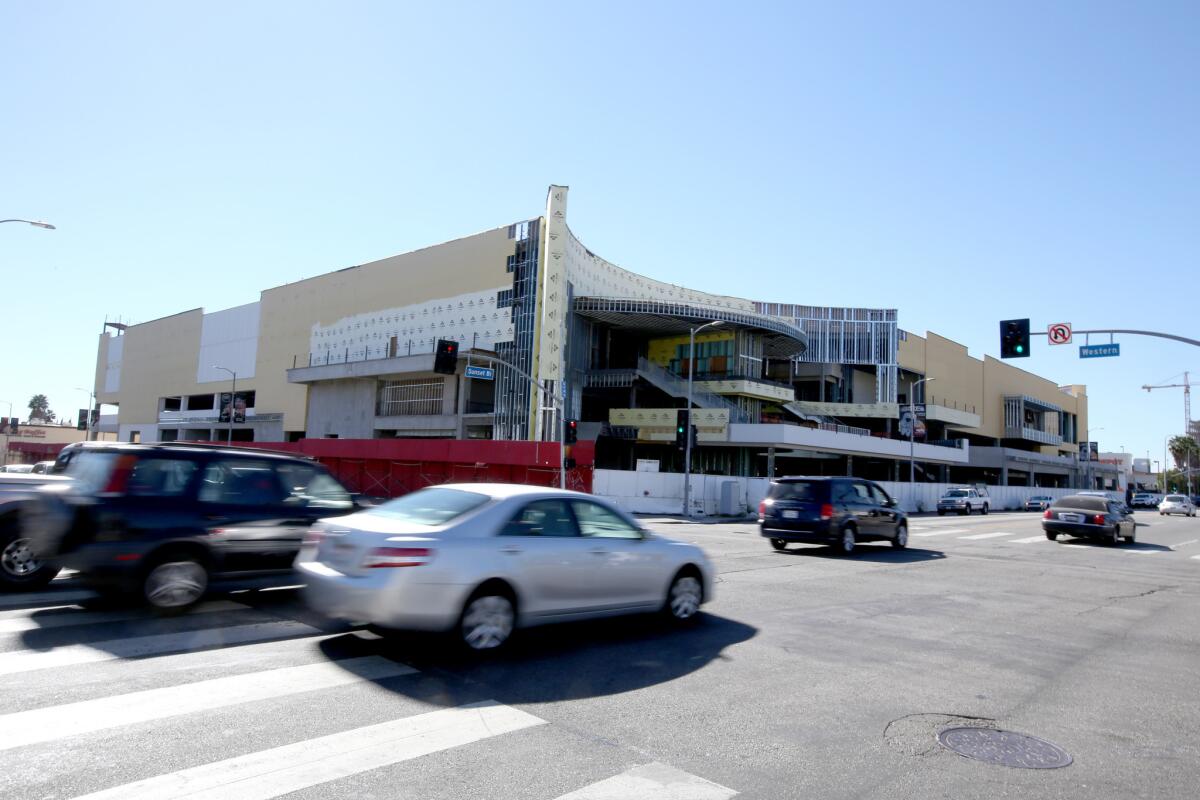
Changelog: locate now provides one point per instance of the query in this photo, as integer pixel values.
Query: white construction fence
(722, 495)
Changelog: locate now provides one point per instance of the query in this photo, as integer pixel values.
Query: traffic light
(695, 429)
(14, 426)
(445, 360)
(1014, 338)
(81, 424)
(568, 463)
(681, 428)
(571, 431)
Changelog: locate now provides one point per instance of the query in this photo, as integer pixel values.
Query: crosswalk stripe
(654, 781)
(1182, 544)
(291, 768)
(48, 598)
(1142, 552)
(18, 621)
(1194, 558)
(986, 535)
(1030, 540)
(141, 646)
(943, 533)
(87, 716)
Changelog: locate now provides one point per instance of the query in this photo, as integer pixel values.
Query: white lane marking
(87, 716)
(1030, 540)
(1194, 558)
(654, 781)
(18, 621)
(917, 528)
(141, 646)
(48, 598)
(986, 535)
(1140, 551)
(1182, 544)
(943, 533)
(293, 767)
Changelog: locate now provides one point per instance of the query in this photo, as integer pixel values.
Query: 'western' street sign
(1099, 350)
(482, 373)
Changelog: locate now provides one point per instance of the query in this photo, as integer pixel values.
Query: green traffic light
(1020, 348)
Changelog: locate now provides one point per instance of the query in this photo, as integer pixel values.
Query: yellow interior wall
(661, 351)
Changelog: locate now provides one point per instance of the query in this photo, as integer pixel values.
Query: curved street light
(32, 222)
(687, 448)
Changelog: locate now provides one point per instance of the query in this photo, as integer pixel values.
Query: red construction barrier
(393, 467)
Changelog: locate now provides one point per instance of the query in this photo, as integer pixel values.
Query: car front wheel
(985, 508)
(900, 540)
(684, 597)
(779, 544)
(487, 621)
(847, 542)
(20, 569)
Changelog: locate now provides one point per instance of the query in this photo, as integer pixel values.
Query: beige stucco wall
(288, 312)
(160, 357)
(965, 382)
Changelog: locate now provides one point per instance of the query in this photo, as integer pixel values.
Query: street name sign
(482, 373)
(1099, 350)
(1059, 333)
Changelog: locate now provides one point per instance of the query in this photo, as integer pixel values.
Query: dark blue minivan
(839, 511)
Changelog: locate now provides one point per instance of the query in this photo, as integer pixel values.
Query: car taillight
(1099, 519)
(826, 511)
(1047, 515)
(312, 537)
(762, 508)
(120, 475)
(397, 557)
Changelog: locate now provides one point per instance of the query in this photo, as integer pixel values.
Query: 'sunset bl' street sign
(1099, 350)
(482, 373)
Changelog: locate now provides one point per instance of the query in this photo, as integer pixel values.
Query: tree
(39, 409)
(1184, 451)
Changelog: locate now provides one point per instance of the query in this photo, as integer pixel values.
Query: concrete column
(895, 470)
(849, 465)
(1004, 475)
(771, 463)
(1029, 478)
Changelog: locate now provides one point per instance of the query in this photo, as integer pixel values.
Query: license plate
(791, 514)
(1071, 517)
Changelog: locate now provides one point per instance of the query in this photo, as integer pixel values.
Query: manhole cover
(1005, 748)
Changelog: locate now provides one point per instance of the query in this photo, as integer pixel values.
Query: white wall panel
(112, 368)
(228, 338)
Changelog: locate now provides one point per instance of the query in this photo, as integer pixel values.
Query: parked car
(162, 520)
(1143, 500)
(22, 468)
(42, 467)
(1177, 504)
(963, 501)
(20, 570)
(837, 511)
(484, 559)
(1038, 502)
(1090, 517)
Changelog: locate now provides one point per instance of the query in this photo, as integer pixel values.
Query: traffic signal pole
(1158, 334)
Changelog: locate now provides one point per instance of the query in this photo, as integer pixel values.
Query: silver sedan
(484, 559)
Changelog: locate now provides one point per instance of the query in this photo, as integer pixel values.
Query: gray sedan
(484, 559)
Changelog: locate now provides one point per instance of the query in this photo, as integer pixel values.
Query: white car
(484, 559)
(963, 501)
(1177, 504)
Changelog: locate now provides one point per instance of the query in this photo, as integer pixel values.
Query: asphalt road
(811, 676)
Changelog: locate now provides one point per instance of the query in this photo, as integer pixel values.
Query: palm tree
(39, 409)
(1184, 450)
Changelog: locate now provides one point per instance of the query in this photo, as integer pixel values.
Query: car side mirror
(891, 503)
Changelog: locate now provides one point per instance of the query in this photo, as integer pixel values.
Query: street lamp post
(91, 393)
(912, 428)
(32, 222)
(1087, 435)
(6, 429)
(687, 447)
(232, 399)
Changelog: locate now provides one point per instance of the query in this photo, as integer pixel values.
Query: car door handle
(511, 550)
(598, 551)
(215, 518)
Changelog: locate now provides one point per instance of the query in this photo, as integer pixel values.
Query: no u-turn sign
(1059, 333)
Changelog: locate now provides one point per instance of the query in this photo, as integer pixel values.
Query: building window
(417, 397)
(168, 435)
(172, 403)
(200, 402)
(504, 299)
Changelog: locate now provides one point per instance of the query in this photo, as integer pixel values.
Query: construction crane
(1187, 400)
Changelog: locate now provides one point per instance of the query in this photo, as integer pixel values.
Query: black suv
(837, 511)
(163, 519)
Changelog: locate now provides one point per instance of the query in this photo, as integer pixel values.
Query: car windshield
(91, 470)
(794, 490)
(1175, 498)
(430, 507)
(1082, 502)
(955, 493)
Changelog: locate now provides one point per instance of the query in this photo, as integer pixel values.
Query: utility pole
(687, 448)
(912, 428)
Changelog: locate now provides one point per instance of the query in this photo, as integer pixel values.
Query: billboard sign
(912, 422)
(235, 405)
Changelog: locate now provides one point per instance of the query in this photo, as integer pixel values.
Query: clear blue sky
(961, 162)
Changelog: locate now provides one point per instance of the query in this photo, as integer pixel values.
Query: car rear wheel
(779, 544)
(1052, 536)
(847, 542)
(174, 583)
(1114, 537)
(20, 569)
(487, 620)
(986, 509)
(900, 540)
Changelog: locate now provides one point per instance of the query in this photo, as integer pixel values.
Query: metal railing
(829, 426)
(676, 386)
